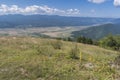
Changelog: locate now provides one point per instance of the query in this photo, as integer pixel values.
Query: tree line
(110, 41)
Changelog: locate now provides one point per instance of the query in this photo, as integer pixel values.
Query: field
(38, 31)
(28, 58)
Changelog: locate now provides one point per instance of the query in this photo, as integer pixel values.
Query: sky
(82, 8)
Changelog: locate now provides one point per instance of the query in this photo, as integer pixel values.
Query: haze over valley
(47, 25)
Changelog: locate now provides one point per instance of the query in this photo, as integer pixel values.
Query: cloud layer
(117, 3)
(35, 9)
(97, 1)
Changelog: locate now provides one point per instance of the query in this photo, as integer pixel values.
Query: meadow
(29, 58)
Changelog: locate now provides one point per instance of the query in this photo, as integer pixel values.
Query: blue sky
(89, 8)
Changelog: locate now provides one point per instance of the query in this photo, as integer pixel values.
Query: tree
(84, 40)
(110, 42)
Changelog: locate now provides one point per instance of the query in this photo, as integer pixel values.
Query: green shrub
(74, 53)
(84, 40)
(110, 42)
(57, 44)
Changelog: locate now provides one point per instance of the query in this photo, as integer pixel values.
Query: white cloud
(97, 1)
(73, 11)
(117, 3)
(35, 9)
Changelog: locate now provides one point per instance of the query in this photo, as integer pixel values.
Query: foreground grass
(44, 59)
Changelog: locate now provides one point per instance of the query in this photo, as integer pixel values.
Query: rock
(89, 65)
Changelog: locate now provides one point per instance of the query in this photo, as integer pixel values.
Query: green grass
(27, 58)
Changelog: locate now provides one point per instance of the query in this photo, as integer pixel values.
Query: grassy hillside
(97, 32)
(44, 59)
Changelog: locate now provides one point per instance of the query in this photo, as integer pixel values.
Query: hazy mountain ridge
(101, 26)
(12, 21)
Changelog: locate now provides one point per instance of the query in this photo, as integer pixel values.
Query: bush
(57, 44)
(74, 53)
(110, 42)
(84, 40)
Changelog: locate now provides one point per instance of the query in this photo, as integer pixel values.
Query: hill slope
(97, 32)
(40, 59)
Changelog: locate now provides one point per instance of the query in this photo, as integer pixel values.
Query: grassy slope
(36, 59)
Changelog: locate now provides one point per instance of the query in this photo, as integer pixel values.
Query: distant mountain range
(104, 26)
(12, 21)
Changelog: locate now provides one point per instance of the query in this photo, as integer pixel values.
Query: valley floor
(39, 31)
